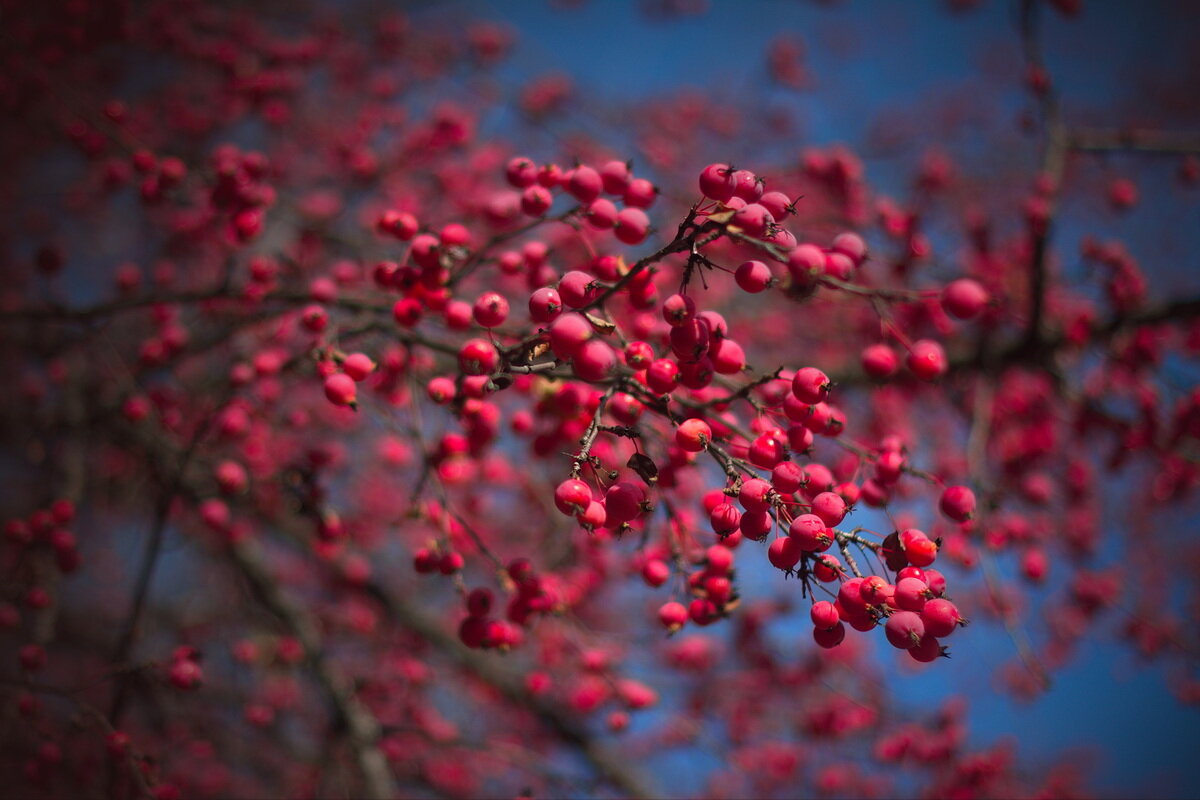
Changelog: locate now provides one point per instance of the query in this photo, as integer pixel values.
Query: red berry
(358, 366)
(941, 617)
(662, 376)
(919, 549)
(958, 503)
(879, 361)
(755, 495)
(594, 361)
(545, 305)
(521, 172)
(784, 553)
(585, 184)
(927, 649)
(477, 357)
(753, 276)
(756, 525)
(824, 615)
(567, 335)
(623, 503)
(632, 225)
(572, 496)
(927, 359)
(655, 572)
(716, 181)
(811, 533)
(830, 507)
(536, 201)
(964, 298)
(725, 519)
(852, 246)
(904, 629)
(340, 390)
(693, 435)
(829, 638)
(810, 385)
(491, 309)
(911, 593)
(673, 616)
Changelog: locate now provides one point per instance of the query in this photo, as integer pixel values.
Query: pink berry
(545, 305)
(641, 193)
(784, 553)
(638, 355)
(811, 533)
(601, 214)
(662, 376)
(655, 572)
(958, 503)
(805, 262)
(594, 361)
(673, 616)
(490, 310)
(810, 385)
(358, 366)
(458, 315)
(756, 525)
(927, 649)
(753, 219)
(941, 617)
(829, 638)
(920, 550)
(778, 204)
(572, 496)
(441, 390)
(879, 361)
(747, 185)
(904, 629)
(755, 495)
(567, 335)
(340, 390)
(728, 357)
(964, 298)
(632, 225)
(623, 502)
(911, 594)
(725, 519)
(830, 507)
(521, 172)
(786, 477)
(693, 435)
(577, 288)
(716, 181)
(927, 359)
(753, 276)
(678, 309)
(615, 176)
(536, 201)
(477, 357)
(585, 184)
(767, 450)
(852, 246)
(824, 615)
(839, 265)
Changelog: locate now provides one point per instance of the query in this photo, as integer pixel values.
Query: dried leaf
(645, 467)
(602, 325)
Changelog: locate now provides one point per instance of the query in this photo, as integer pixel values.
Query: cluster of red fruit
(804, 503)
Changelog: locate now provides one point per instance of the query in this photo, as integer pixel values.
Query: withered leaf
(602, 325)
(645, 467)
